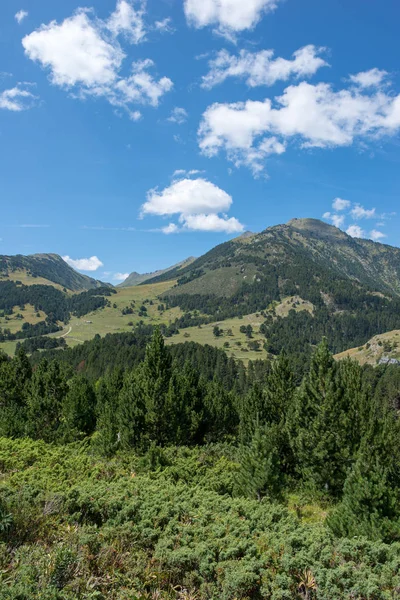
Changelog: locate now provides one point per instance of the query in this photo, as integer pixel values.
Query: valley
(292, 284)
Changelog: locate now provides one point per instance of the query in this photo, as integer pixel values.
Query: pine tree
(131, 414)
(46, 394)
(107, 392)
(251, 410)
(15, 376)
(79, 409)
(153, 380)
(315, 425)
(279, 391)
(371, 500)
(260, 474)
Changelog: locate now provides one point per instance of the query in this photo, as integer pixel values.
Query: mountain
(287, 253)
(352, 284)
(46, 269)
(138, 278)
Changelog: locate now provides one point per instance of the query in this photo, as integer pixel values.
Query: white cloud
(355, 231)
(187, 196)
(128, 21)
(314, 115)
(212, 222)
(178, 115)
(227, 15)
(260, 68)
(336, 220)
(120, 276)
(198, 203)
(179, 173)
(76, 52)
(17, 99)
(140, 87)
(84, 56)
(164, 26)
(21, 15)
(340, 204)
(377, 235)
(170, 228)
(84, 264)
(371, 78)
(359, 212)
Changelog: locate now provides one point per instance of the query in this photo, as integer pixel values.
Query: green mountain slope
(289, 250)
(353, 285)
(52, 268)
(139, 278)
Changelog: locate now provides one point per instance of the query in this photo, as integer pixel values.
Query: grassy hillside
(46, 269)
(109, 319)
(379, 349)
(232, 340)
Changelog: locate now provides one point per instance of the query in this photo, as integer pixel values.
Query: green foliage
(122, 529)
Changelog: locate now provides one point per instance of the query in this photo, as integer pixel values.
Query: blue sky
(134, 134)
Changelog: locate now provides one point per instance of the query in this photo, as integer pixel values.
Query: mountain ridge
(49, 266)
(136, 278)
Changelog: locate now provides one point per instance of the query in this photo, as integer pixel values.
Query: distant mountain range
(138, 278)
(49, 267)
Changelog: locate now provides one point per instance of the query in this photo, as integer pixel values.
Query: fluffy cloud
(260, 68)
(314, 115)
(170, 228)
(198, 203)
(227, 15)
(340, 204)
(371, 78)
(212, 222)
(120, 276)
(359, 212)
(76, 52)
(187, 196)
(128, 21)
(83, 55)
(84, 264)
(355, 231)
(336, 220)
(17, 99)
(21, 15)
(178, 115)
(377, 235)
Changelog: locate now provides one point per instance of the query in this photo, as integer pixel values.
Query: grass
(111, 319)
(30, 316)
(27, 279)
(383, 345)
(204, 335)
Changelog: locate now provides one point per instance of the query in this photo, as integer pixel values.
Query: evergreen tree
(153, 378)
(371, 498)
(221, 407)
(107, 392)
(316, 425)
(47, 392)
(79, 409)
(251, 411)
(131, 414)
(260, 475)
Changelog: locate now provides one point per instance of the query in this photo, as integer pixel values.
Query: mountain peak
(315, 226)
